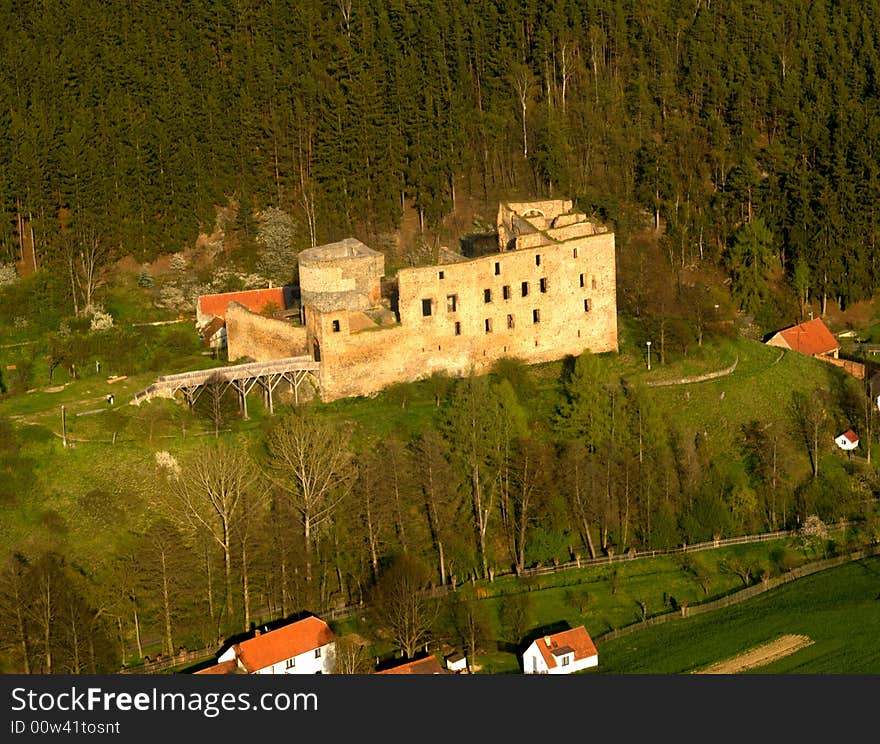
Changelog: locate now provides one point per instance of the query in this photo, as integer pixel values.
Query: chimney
(547, 641)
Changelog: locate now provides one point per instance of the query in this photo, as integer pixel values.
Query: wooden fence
(191, 657)
(741, 596)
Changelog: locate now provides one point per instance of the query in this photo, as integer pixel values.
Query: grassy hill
(837, 609)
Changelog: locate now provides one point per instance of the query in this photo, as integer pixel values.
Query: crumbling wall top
(345, 248)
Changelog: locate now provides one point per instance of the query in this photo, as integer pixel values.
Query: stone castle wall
(447, 324)
(553, 296)
(260, 338)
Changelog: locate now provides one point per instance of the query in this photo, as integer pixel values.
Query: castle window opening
(510, 322)
(488, 325)
(587, 306)
(451, 303)
(537, 259)
(536, 316)
(457, 328)
(574, 252)
(582, 280)
(487, 295)
(505, 291)
(440, 275)
(426, 308)
(593, 282)
(543, 284)
(497, 268)
(525, 289)
(335, 326)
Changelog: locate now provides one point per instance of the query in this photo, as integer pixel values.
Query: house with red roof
(565, 652)
(211, 310)
(303, 647)
(255, 300)
(847, 441)
(812, 338)
(428, 665)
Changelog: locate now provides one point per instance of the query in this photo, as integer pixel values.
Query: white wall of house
(227, 655)
(533, 662)
(316, 661)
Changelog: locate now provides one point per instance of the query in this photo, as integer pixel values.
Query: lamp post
(648, 344)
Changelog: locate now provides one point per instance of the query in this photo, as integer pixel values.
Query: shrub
(100, 320)
(145, 279)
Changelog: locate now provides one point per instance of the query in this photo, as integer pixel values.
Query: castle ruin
(549, 291)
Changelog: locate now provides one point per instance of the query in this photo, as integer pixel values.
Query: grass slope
(839, 609)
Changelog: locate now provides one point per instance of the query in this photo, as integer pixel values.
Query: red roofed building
(428, 665)
(211, 311)
(561, 653)
(304, 647)
(255, 300)
(812, 338)
(847, 441)
(224, 667)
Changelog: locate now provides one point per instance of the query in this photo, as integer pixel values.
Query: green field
(839, 609)
(593, 598)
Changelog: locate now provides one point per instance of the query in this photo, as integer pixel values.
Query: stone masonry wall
(344, 275)
(551, 208)
(468, 333)
(260, 338)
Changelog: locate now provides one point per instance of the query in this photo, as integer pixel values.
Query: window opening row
(511, 322)
(583, 279)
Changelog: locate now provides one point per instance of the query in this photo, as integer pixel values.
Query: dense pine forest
(130, 122)
(743, 135)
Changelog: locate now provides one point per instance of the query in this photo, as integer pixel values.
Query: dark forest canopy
(131, 121)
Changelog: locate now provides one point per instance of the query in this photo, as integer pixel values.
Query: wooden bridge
(242, 378)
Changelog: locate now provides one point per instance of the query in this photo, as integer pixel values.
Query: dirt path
(760, 656)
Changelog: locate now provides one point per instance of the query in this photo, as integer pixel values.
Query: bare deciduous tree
(209, 497)
(351, 656)
(402, 607)
(439, 483)
(310, 461)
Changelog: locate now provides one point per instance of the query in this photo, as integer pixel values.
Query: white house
(456, 662)
(561, 653)
(848, 441)
(304, 647)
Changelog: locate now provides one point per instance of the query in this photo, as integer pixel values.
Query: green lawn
(839, 609)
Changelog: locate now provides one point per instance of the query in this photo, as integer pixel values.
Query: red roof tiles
(224, 667)
(254, 300)
(284, 643)
(851, 436)
(576, 639)
(812, 337)
(429, 665)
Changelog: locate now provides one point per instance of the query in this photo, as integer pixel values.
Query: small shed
(456, 662)
(847, 441)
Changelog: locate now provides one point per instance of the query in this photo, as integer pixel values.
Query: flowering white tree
(100, 320)
(813, 533)
(8, 274)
